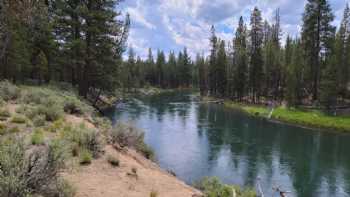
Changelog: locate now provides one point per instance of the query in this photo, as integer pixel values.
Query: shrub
(14, 129)
(73, 105)
(64, 189)
(85, 157)
(113, 160)
(4, 112)
(18, 119)
(37, 137)
(29, 173)
(39, 121)
(85, 138)
(213, 187)
(153, 194)
(127, 135)
(146, 150)
(3, 129)
(52, 110)
(8, 91)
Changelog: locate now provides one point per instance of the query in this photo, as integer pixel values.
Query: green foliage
(37, 137)
(3, 129)
(18, 119)
(5, 113)
(87, 139)
(153, 194)
(213, 187)
(85, 157)
(14, 129)
(8, 91)
(39, 121)
(113, 160)
(17, 166)
(127, 135)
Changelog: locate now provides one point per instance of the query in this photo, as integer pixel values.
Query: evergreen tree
(221, 63)
(213, 86)
(160, 66)
(317, 32)
(256, 60)
(240, 59)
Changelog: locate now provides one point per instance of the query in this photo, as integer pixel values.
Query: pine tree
(221, 63)
(160, 63)
(294, 73)
(256, 60)
(342, 53)
(240, 59)
(202, 75)
(213, 86)
(317, 32)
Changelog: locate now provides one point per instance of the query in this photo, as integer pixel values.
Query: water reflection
(196, 140)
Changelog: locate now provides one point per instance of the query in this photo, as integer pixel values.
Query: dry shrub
(25, 172)
(127, 135)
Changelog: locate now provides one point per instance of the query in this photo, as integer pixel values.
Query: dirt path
(100, 179)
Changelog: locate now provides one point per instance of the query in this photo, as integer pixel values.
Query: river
(195, 140)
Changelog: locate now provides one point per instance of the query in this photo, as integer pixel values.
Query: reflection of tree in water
(308, 158)
(168, 103)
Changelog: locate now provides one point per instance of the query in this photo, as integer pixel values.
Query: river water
(195, 140)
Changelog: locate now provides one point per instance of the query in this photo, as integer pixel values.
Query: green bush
(88, 139)
(85, 157)
(126, 135)
(51, 110)
(4, 112)
(73, 105)
(213, 187)
(113, 160)
(3, 129)
(14, 129)
(30, 173)
(37, 137)
(8, 91)
(153, 194)
(18, 119)
(39, 121)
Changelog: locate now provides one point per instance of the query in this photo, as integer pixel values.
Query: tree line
(312, 68)
(75, 41)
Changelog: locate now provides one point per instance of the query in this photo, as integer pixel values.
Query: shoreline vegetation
(54, 143)
(313, 119)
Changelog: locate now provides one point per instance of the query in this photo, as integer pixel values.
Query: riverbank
(306, 118)
(312, 119)
(73, 150)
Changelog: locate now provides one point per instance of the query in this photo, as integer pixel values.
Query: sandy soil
(100, 179)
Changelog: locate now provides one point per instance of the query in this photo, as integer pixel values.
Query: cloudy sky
(174, 24)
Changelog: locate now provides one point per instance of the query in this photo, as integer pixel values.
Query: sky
(175, 24)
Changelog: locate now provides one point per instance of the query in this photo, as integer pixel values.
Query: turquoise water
(195, 140)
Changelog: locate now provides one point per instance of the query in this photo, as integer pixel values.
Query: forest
(82, 43)
(257, 66)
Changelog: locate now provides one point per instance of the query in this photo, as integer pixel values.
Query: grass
(310, 118)
(85, 157)
(18, 119)
(37, 137)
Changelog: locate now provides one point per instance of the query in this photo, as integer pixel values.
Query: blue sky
(174, 24)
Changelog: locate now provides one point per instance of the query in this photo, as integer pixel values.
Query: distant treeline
(75, 41)
(313, 68)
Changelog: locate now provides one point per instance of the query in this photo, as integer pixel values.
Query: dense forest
(256, 67)
(82, 42)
